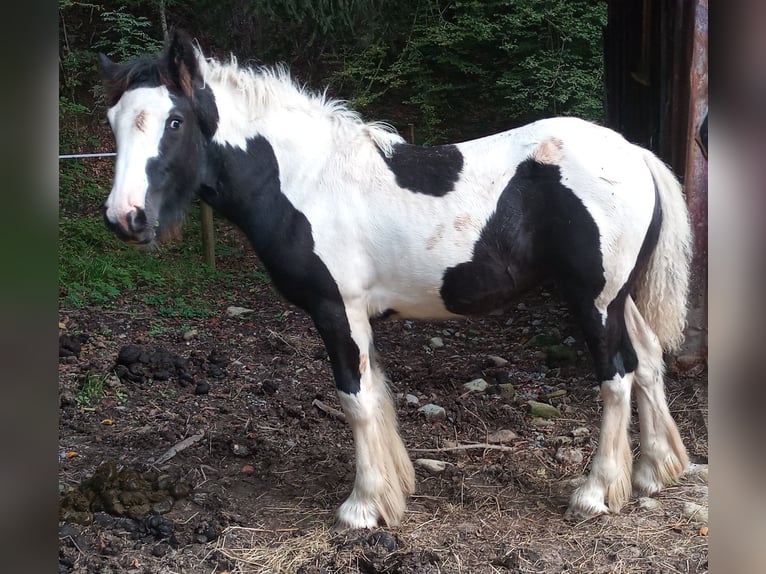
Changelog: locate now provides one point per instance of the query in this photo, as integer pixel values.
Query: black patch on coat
(244, 186)
(428, 170)
(541, 229)
(535, 221)
(174, 174)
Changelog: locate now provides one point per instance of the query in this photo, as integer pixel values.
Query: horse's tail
(662, 292)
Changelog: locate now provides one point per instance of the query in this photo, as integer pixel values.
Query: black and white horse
(352, 222)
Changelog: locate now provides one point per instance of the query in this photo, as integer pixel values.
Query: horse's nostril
(137, 220)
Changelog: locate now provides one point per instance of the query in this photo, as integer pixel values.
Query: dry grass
(492, 531)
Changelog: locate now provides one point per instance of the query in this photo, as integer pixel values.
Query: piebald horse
(352, 222)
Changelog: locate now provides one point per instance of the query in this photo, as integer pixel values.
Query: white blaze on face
(138, 122)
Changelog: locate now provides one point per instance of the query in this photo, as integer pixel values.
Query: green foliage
(128, 35)
(472, 67)
(91, 389)
(97, 269)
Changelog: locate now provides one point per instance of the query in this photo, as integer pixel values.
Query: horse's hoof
(586, 503)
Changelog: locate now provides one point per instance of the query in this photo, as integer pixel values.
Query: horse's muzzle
(132, 227)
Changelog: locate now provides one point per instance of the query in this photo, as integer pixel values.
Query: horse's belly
(409, 299)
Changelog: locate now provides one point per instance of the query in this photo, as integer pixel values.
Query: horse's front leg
(384, 472)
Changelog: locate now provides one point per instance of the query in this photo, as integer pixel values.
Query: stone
(432, 465)
(411, 399)
(580, 432)
(476, 385)
(240, 449)
(234, 311)
(506, 390)
(698, 473)
(502, 436)
(190, 334)
(556, 394)
(695, 512)
(569, 455)
(543, 410)
(436, 342)
(433, 412)
(649, 503)
(498, 361)
(541, 422)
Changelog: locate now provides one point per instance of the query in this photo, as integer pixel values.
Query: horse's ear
(114, 82)
(106, 67)
(182, 61)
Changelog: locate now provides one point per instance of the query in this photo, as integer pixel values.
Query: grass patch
(96, 269)
(91, 389)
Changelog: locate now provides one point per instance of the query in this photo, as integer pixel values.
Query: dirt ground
(265, 467)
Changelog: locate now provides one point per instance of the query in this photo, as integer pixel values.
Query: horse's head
(163, 119)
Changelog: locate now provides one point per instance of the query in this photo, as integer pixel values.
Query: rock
(556, 394)
(541, 422)
(580, 432)
(411, 399)
(544, 410)
(436, 342)
(497, 361)
(695, 512)
(433, 412)
(432, 465)
(506, 390)
(569, 455)
(202, 388)
(569, 341)
(501, 436)
(649, 503)
(239, 449)
(698, 472)
(476, 385)
(190, 334)
(237, 311)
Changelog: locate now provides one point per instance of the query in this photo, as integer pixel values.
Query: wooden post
(410, 137)
(208, 234)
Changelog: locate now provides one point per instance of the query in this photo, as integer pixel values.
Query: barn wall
(655, 66)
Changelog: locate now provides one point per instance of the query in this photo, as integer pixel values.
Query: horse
(352, 222)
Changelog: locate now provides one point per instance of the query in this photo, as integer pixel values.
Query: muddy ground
(265, 468)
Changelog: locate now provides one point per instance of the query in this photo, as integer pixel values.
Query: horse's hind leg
(608, 485)
(384, 472)
(663, 456)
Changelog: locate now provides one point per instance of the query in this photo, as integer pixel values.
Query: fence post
(410, 137)
(208, 234)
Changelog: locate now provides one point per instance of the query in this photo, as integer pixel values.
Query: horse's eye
(175, 123)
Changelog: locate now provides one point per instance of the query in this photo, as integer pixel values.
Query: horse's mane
(261, 88)
(258, 88)
(145, 70)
